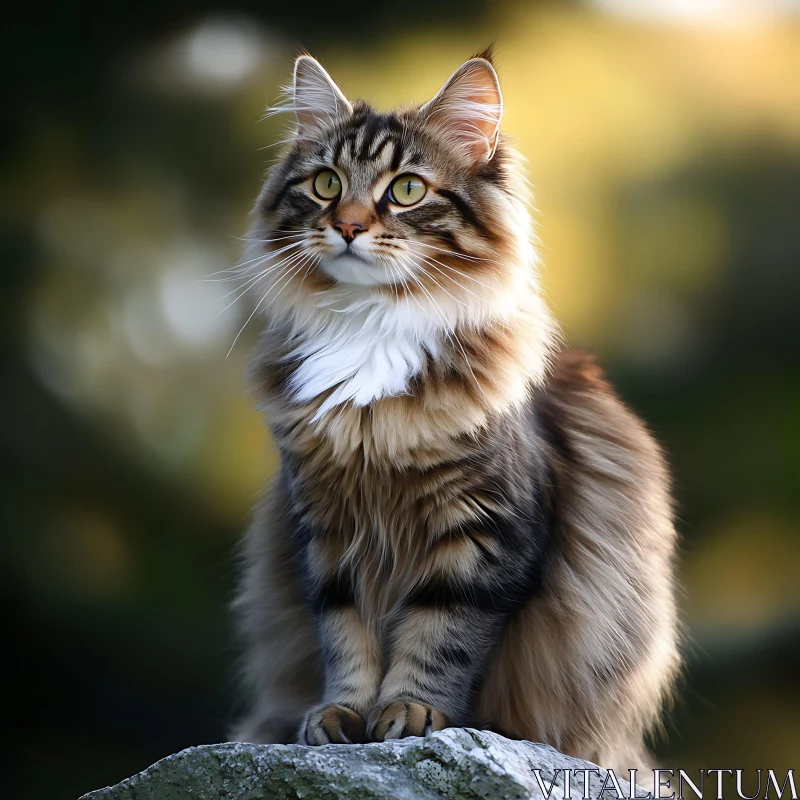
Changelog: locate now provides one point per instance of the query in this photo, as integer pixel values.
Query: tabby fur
(468, 526)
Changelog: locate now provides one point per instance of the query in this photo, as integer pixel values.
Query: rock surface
(455, 763)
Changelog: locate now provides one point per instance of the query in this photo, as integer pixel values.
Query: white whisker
(451, 334)
(288, 278)
(288, 261)
(241, 266)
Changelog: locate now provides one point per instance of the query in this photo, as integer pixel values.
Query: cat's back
(583, 418)
(611, 485)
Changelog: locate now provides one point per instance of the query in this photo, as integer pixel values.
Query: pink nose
(349, 229)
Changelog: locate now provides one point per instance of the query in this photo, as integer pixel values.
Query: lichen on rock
(454, 763)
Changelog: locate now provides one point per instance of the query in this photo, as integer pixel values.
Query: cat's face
(375, 196)
(421, 203)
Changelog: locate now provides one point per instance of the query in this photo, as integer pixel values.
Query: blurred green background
(663, 142)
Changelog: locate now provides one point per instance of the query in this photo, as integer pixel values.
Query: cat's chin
(355, 270)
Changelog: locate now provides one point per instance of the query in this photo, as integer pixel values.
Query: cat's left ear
(317, 100)
(469, 108)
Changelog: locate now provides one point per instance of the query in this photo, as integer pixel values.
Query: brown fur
(615, 543)
(586, 665)
(494, 545)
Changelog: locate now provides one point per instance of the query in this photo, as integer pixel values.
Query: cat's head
(422, 207)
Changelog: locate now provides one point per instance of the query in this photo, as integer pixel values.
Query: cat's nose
(349, 230)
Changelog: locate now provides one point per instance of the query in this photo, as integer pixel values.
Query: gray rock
(455, 763)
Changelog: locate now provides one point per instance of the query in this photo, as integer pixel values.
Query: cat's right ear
(317, 100)
(469, 107)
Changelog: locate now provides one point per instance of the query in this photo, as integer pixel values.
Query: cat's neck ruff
(367, 345)
(364, 349)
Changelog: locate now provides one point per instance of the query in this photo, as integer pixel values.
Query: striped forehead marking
(366, 137)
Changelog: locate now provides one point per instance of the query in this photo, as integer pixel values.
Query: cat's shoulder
(579, 405)
(573, 369)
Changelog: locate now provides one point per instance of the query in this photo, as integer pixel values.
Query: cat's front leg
(436, 656)
(352, 677)
(440, 643)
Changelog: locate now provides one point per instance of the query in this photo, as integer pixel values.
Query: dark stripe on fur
(290, 183)
(335, 592)
(462, 206)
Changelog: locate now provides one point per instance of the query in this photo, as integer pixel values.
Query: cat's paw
(404, 718)
(333, 725)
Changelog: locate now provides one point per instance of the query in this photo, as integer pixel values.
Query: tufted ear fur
(317, 100)
(468, 108)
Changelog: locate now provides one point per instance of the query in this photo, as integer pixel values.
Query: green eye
(407, 190)
(327, 185)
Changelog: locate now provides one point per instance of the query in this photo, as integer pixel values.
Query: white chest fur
(363, 350)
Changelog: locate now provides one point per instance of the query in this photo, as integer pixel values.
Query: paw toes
(400, 719)
(391, 722)
(334, 725)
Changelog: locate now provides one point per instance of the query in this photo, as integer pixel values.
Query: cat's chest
(358, 358)
(396, 472)
(378, 541)
(353, 503)
(374, 557)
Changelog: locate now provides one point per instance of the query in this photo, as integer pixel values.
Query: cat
(468, 527)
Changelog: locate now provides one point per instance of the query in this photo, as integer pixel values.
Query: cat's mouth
(349, 252)
(350, 266)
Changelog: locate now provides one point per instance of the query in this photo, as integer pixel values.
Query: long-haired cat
(468, 526)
